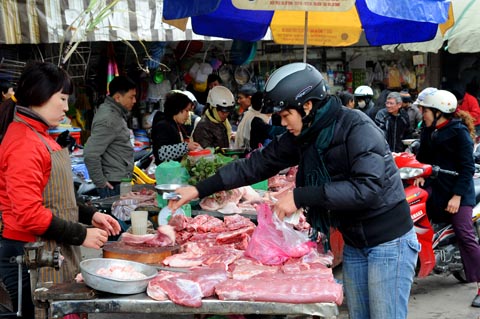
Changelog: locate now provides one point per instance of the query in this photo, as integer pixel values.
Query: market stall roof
(47, 21)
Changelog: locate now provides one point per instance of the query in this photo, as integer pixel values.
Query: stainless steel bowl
(167, 188)
(89, 268)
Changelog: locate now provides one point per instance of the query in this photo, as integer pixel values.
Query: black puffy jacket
(365, 193)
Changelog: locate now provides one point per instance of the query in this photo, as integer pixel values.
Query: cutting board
(142, 254)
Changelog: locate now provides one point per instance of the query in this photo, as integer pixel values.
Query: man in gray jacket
(108, 152)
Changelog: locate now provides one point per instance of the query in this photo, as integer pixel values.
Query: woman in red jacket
(37, 199)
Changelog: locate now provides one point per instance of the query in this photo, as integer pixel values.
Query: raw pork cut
(287, 288)
(165, 236)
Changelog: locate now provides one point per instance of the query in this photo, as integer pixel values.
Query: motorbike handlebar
(436, 170)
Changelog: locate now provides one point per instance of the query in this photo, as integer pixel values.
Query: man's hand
(187, 194)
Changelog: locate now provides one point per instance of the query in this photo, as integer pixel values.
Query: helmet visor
(224, 109)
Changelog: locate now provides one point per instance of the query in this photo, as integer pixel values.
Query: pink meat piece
(246, 271)
(196, 222)
(154, 290)
(230, 208)
(165, 237)
(186, 289)
(198, 247)
(120, 272)
(220, 256)
(203, 236)
(131, 239)
(250, 195)
(233, 236)
(243, 241)
(218, 200)
(235, 195)
(182, 237)
(278, 287)
(144, 198)
(209, 204)
(183, 260)
(182, 291)
(237, 221)
(292, 174)
(207, 278)
(179, 222)
(210, 224)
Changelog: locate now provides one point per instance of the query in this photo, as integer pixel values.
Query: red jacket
(470, 105)
(25, 166)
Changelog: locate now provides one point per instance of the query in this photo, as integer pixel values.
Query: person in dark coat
(394, 122)
(214, 129)
(169, 138)
(344, 180)
(446, 142)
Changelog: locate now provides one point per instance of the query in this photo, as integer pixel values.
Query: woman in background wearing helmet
(169, 139)
(344, 180)
(445, 141)
(363, 100)
(193, 118)
(214, 129)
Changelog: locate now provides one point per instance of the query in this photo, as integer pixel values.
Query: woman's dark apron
(59, 197)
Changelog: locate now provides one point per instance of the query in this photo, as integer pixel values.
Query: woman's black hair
(5, 86)
(175, 102)
(345, 97)
(38, 82)
(257, 101)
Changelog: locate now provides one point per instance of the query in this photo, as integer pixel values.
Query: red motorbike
(439, 252)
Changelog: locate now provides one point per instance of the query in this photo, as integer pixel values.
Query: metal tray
(89, 268)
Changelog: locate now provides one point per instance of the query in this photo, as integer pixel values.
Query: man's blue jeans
(378, 279)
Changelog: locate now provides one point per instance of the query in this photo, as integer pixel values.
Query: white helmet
(190, 96)
(442, 100)
(221, 98)
(421, 96)
(363, 90)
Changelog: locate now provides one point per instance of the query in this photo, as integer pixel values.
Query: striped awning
(48, 21)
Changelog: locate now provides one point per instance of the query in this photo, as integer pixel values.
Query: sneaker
(476, 301)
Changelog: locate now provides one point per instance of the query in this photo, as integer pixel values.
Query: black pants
(9, 274)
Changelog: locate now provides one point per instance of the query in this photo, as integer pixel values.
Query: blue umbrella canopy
(330, 22)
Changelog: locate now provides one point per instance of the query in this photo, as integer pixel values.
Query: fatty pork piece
(218, 256)
(220, 199)
(288, 288)
(179, 222)
(165, 236)
(120, 272)
(186, 289)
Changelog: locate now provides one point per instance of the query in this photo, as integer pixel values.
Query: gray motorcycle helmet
(290, 86)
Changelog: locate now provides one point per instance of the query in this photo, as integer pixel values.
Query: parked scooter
(439, 252)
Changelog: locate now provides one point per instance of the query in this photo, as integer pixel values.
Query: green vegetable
(203, 168)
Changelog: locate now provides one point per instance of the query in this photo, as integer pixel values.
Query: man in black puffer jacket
(346, 178)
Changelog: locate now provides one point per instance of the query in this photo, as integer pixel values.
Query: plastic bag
(274, 241)
(171, 172)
